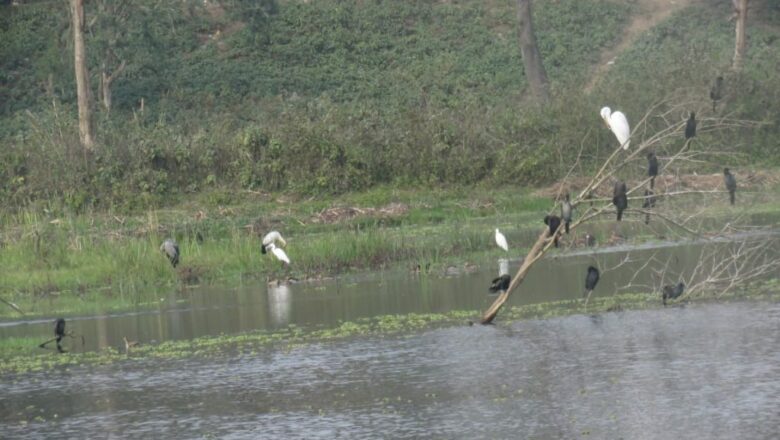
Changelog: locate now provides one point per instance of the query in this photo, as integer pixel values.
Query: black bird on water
(731, 183)
(690, 126)
(59, 332)
(591, 279)
(652, 167)
(553, 222)
(620, 199)
(672, 292)
(716, 92)
(500, 284)
(566, 212)
(649, 203)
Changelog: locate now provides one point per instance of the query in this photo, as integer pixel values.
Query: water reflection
(212, 311)
(279, 304)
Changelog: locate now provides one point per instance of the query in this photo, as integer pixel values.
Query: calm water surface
(701, 371)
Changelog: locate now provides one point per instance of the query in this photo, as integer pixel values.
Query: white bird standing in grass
(278, 253)
(269, 244)
(501, 241)
(618, 123)
(272, 238)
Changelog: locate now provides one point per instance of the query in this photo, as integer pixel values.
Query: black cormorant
(620, 199)
(731, 183)
(553, 222)
(672, 292)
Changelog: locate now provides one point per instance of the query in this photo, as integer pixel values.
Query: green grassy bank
(102, 261)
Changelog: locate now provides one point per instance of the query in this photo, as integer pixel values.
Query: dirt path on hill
(650, 13)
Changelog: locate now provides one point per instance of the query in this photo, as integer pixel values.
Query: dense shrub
(331, 96)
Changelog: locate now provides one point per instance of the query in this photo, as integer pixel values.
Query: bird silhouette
(553, 222)
(500, 283)
(501, 240)
(672, 292)
(690, 126)
(716, 92)
(620, 199)
(591, 279)
(731, 183)
(652, 167)
(171, 250)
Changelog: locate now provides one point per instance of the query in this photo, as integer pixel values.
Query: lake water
(701, 370)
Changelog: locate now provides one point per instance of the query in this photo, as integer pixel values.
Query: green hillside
(330, 96)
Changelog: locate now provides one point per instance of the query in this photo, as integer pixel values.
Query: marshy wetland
(369, 354)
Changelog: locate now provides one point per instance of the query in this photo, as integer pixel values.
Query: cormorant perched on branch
(731, 183)
(652, 167)
(620, 199)
(649, 203)
(553, 222)
(591, 279)
(672, 292)
(501, 283)
(566, 212)
(171, 250)
(716, 92)
(690, 126)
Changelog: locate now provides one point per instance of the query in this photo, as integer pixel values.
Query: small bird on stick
(690, 126)
(553, 222)
(731, 184)
(620, 198)
(716, 92)
(591, 279)
(652, 167)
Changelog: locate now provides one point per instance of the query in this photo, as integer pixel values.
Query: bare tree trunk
(86, 133)
(532, 59)
(740, 49)
(105, 83)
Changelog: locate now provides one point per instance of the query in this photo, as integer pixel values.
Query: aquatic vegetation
(21, 355)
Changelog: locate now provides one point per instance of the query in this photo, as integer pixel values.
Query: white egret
(171, 250)
(278, 253)
(272, 238)
(501, 241)
(618, 123)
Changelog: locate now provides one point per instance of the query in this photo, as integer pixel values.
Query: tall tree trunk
(740, 49)
(86, 133)
(532, 59)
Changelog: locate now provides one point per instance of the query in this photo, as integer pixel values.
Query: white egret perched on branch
(501, 241)
(618, 123)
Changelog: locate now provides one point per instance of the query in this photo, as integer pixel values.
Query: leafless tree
(645, 136)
